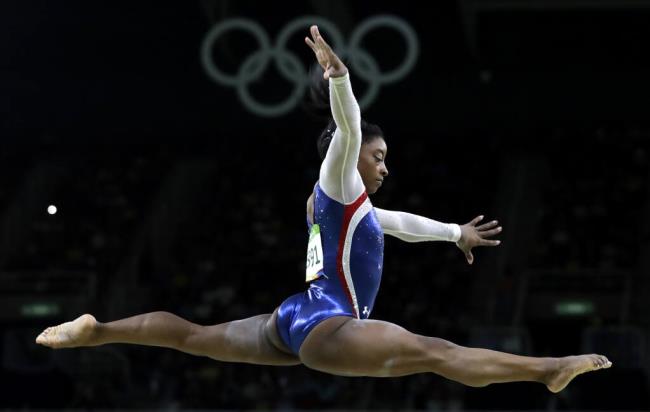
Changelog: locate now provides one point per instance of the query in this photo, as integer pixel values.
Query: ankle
(96, 333)
(549, 369)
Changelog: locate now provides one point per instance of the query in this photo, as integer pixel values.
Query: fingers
(315, 34)
(310, 44)
(314, 31)
(488, 230)
(469, 257)
(323, 44)
(486, 226)
(326, 57)
(489, 233)
(476, 220)
(318, 42)
(313, 44)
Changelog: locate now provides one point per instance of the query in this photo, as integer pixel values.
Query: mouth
(380, 181)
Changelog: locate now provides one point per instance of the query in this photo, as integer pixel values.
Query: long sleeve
(339, 177)
(413, 228)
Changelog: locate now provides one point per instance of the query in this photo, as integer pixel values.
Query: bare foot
(572, 366)
(69, 334)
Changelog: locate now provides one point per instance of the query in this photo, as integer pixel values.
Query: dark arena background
(178, 144)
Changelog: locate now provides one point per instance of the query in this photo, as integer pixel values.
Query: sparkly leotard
(353, 250)
(351, 232)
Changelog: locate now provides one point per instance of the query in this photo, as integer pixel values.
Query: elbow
(351, 136)
(356, 135)
(355, 132)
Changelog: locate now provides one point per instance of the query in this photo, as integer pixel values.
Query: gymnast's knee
(189, 341)
(438, 351)
(445, 356)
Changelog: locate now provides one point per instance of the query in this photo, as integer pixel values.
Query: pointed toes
(601, 362)
(42, 339)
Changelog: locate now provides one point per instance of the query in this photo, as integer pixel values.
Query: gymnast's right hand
(329, 61)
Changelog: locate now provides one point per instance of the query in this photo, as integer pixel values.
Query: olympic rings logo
(361, 62)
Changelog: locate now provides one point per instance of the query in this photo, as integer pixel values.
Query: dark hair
(320, 96)
(369, 132)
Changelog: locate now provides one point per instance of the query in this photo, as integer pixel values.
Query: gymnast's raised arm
(338, 176)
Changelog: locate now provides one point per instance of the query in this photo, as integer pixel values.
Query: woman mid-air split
(327, 327)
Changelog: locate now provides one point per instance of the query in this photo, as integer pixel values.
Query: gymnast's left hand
(472, 236)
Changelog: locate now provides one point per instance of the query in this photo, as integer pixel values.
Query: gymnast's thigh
(365, 347)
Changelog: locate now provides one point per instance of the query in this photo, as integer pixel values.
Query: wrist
(456, 232)
(340, 76)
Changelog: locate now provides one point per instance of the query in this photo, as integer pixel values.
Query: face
(372, 164)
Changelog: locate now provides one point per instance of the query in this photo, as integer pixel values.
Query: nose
(383, 170)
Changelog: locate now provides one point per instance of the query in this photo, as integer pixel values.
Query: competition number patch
(314, 254)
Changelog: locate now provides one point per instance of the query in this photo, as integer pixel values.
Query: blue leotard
(353, 251)
(351, 230)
